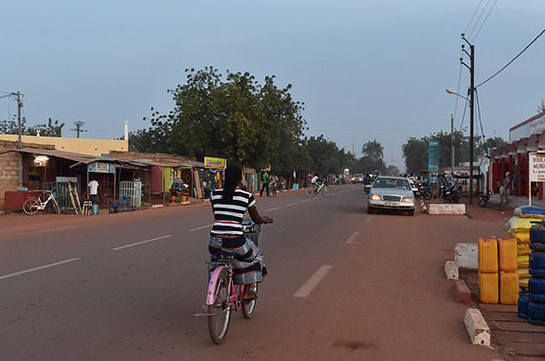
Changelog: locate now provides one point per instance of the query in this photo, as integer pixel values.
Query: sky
(365, 69)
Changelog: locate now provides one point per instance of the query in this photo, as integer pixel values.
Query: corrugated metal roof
(76, 157)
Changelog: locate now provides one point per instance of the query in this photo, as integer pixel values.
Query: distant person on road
(229, 206)
(506, 187)
(265, 179)
(93, 190)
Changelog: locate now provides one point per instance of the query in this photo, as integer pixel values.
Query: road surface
(342, 285)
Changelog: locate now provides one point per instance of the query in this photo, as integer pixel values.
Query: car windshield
(358, 175)
(391, 183)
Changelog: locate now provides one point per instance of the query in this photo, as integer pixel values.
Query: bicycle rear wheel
(326, 191)
(56, 206)
(309, 192)
(249, 307)
(30, 206)
(220, 312)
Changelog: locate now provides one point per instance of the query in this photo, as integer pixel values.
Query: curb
(476, 327)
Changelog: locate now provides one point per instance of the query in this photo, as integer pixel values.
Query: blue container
(95, 209)
(537, 262)
(523, 304)
(538, 247)
(536, 285)
(537, 233)
(536, 313)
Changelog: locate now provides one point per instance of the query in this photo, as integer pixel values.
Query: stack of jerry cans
(536, 284)
(488, 270)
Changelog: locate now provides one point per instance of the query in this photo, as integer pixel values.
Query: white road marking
(39, 268)
(313, 281)
(306, 201)
(141, 242)
(291, 204)
(352, 238)
(202, 227)
(272, 209)
(368, 219)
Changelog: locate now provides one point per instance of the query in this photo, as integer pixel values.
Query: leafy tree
(51, 129)
(415, 151)
(372, 159)
(392, 170)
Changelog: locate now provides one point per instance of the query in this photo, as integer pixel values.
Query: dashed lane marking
(272, 209)
(313, 281)
(352, 238)
(141, 242)
(201, 227)
(39, 268)
(291, 204)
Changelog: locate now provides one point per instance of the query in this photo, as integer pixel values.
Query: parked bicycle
(315, 189)
(224, 295)
(32, 205)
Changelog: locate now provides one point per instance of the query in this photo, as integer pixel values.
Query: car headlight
(407, 199)
(375, 197)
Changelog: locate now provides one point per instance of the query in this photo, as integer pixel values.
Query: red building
(524, 138)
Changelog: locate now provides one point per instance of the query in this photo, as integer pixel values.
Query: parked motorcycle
(450, 193)
(423, 191)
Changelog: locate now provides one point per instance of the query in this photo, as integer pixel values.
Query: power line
(479, 18)
(457, 99)
(463, 116)
(485, 19)
(481, 122)
(512, 60)
(473, 16)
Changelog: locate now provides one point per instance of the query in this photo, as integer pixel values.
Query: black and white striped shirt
(228, 214)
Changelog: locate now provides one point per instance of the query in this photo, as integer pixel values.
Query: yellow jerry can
(509, 288)
(524, 282)
(489, 288)
(523, 273)
(508, 255)
(523, 261)
(488, 255)
(524, 249)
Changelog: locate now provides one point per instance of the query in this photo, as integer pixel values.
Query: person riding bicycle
(229, 206)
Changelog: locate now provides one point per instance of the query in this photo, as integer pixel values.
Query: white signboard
(537, 167)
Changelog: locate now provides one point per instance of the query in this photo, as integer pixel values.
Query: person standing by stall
(93, 190)
(265, 180)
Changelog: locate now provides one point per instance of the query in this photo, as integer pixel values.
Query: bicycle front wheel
(220, 312)
(309, 192)
(326, 191)
(248, 307)
(30, 206)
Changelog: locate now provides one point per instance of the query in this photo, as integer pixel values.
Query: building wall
(90, 146)
(8, 170)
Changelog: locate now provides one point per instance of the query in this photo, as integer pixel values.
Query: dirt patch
(353, 345)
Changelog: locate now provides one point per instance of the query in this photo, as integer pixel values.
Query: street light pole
(452, 143)
(471, 116)
(19, 137)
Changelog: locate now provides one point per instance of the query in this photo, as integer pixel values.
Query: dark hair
(233, 176)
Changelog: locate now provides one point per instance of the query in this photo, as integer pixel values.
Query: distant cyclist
(227, 237)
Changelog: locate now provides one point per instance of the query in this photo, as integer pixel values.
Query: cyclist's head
(233, 177)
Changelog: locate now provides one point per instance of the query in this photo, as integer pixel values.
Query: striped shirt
(228, 214)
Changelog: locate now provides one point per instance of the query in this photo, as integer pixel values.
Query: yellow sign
(216, 163)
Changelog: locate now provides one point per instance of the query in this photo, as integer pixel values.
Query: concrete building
(91, 146)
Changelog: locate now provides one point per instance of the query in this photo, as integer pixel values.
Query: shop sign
(433, 155)
(216, 163)
(99, 167)
(537, 167)
(40, 160)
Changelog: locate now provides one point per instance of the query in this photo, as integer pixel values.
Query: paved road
(125, 287)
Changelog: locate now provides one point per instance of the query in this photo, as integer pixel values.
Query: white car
(391, 193)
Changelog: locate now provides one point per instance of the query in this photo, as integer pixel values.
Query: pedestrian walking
(93, 190)
(265, 181)
(506, 187)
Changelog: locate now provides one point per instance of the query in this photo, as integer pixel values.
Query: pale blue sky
(364, 69)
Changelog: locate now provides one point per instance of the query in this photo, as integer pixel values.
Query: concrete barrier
(449, 209)
(466, 255)
(451, 270)
(476, 327)
(461, 292)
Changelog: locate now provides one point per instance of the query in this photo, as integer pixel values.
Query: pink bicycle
(224, 295)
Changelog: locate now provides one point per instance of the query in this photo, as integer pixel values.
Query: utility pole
(353, 149)
(471, 91)
(79, 124)
(19, 137)
(452, 143)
